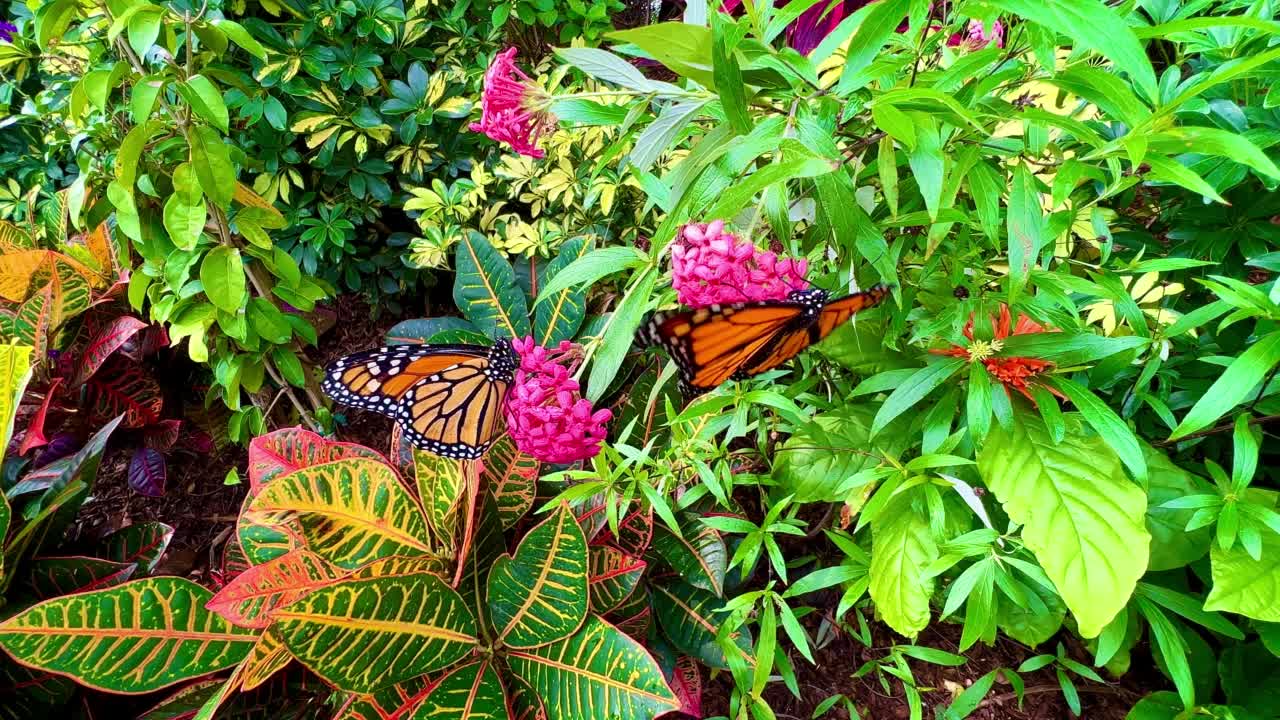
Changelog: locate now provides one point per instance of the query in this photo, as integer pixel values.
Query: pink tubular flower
(713, 267)
(513, 107)
(546, 414)
(975, 37)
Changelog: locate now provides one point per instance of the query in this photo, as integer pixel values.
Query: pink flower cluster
(513, 107)
(711, 267)
(546, 414)
(975, 36)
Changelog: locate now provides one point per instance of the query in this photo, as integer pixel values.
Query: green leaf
(590, 268)
(486, 290)
(366, 633)
(876, 29)
(1244, 585)
(684, 48)
(619, 335)
(740, 193)
(205, 98)
(1213, 141)
(1069, 350)
(660, 133)
(815, 461)
(142, 543)
(144, 28)
(1026, 228)
(927, 164)
(222, 274)
(133, 638)
(512, 476)
(143, 96)
(914, 389)
(184, 222)
(1172, 545)
(1091, 24)
(52, 20)
(241, 37)
(604, 65)
(130, 152)
(1081, 517)
(691, 618)
(1233, 386)
(596, 674)
(560, 317)
(613, 576)
(902, 547)
(469, 692)
(1106, 422)
(539, 595)
(701, 557)
(728, 75)
(212, 162)
(1168, 170)
(350, 512)
(588, 113)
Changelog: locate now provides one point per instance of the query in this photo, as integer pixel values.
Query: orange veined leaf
(400, 566)
(349, 512)
(691, 618)
(269, 656)
(133, 638)
(594, 674)
(513, 478)
(284, 451)
(251, 599)
(614, 576)
(469, 692)
(539, 595)
(363, 634)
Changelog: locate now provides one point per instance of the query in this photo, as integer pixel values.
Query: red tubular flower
(513, 107)
(546, 414)
(712, 267)
(1012, 372)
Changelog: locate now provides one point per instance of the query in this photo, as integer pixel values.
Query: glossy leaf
(148, 472)
(350, 512)
(512, 477)
(141, 543)
(1081, 516)
(598, 673)
(269, 656)
(134, 638)
(124, 387)
(701, 558)
(613, 577)
(470, 692)
(560, 315)
(251, 599)
(442, 489)
(902, 547)
(54, 576)
(283, 451)
(486, 291)
(691, 618)
(1172, 545)
(1244, 585)
(482, 544)
(539, 595)
(363, 634)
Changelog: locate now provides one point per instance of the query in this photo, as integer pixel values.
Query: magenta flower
(546, 414)
(975, 36)
(513, 107)
(7, 29)
(714, 267)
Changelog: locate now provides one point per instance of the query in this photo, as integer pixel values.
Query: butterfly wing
(447, 398)
(793, 340)
(378, 379)
(711, 344)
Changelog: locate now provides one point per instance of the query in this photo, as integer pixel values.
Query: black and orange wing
(793, 341)
(378, 379)
(710, 345)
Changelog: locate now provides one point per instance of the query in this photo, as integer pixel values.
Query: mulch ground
(203, 511)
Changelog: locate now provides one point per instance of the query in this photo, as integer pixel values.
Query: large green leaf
(561, 314)
(222, 274)
(1172, 545)
(817, 459)
(134, 638)
(470, 692)
(486, 291)
(596, 674)
(700, 557)
(1232, 386)
(902, 547)
(691, 618)
(1081, 516)
(211, 159)
(442, 489)
(539, 595)
(15, 371)
(363, 634)
(350, 512)
(1244, 585)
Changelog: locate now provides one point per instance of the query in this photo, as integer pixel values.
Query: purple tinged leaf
(147, 472)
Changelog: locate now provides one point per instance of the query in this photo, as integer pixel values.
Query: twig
(1225, 427)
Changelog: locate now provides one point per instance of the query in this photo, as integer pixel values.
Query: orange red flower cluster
(1012, 372)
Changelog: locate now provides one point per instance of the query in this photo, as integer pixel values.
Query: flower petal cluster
(546, 414)
(712, 267)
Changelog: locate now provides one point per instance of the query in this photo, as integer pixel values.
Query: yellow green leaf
(540, 595)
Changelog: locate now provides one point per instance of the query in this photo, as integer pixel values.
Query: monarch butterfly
(447, 398)
(720, 342)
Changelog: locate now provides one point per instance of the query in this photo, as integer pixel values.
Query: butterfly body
(721, 342)
(446, 398)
